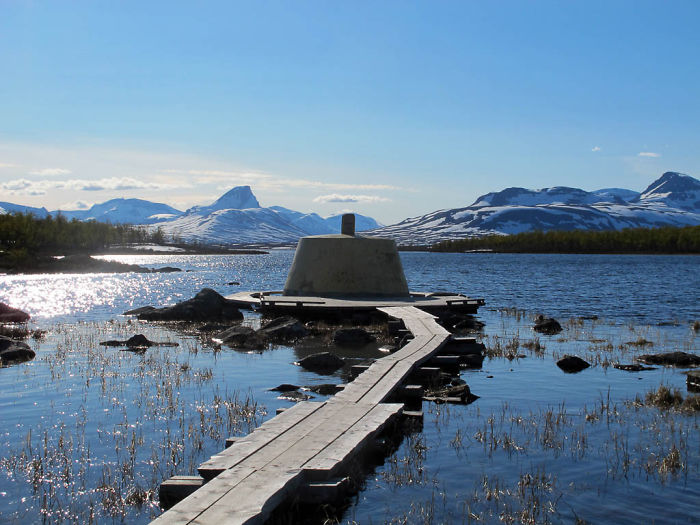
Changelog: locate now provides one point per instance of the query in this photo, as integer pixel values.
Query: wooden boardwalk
(309, 443)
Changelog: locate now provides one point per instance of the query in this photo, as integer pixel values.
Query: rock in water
(285, 387)
(207, 305)
(352, 337)
(243, 337)
(547, 325)
(632, 368)
(12, 352)
(137, 342)
(283, 329)
(680, 359)
(572, 364)
(12, 315)
(140, 310)
(323, 362)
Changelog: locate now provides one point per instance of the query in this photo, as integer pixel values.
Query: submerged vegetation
(114, 425)
(630, 240)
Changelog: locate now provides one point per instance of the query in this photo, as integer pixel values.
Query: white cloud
(595, 148)
(50, 172)
(41, 187)
(7, 165)
(270, 182)
(334, 197)
(75, 205)
(648, 154)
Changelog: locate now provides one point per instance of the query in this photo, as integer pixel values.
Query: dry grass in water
(118, 424)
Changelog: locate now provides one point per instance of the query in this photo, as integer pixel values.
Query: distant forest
(23, 235)
(630, 240)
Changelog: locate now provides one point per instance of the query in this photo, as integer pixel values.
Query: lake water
(88, 431)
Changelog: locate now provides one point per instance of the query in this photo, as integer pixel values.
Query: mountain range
(237, 217)
(671, 200)
(234, 218)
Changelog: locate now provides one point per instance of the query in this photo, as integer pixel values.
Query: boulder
(633, 367)
(207, 305)
(455, 321)
(547, 325)
(12, 352)
(352, 337)
(680, 359)
(140, 310)
(572, 364)
(461, 391)
(295, 396)
(12, 315)
(243, 337)
(474, 361)
(323, 362)
(283, 329)
(137, 342)
(325, 389)
(285, 387)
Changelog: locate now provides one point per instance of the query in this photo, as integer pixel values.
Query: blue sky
(392, 109)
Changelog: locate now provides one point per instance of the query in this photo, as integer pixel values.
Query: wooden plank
(253, 500)
(333, 459)
(288, 424)
(192, 506)
(277, 472)
(257, 472)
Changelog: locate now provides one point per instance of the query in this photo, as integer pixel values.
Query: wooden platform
(308, 443)
(276, 303)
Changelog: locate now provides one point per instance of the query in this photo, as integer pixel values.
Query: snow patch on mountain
(8, 207)
(124, 211)
(672, 200)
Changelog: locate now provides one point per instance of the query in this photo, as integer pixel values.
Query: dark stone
(352, 337)
(283, 329)
(242, 337)
(295, 396)
(323, 362)
(475, 361)
(284, 387)
(166, 269)
(233, 283)
(680, 359)
(470, 324)
(136, 342)
(547, 325)
(139, 340)
(693, 381)
(455, 321)
(633, 368)
(463, 392)
(572, 364)
(140, 310)
(326, 389)
(207, 305)
(12, 315)
(13, 352)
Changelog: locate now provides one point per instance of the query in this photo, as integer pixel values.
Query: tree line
(24, 234)
(629, 240)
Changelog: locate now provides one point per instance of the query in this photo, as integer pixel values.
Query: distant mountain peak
(238, 198)
(674, 189)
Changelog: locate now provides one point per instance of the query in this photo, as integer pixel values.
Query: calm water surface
(86, 429)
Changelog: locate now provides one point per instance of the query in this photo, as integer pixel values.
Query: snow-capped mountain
(238, 198)
(124, 211)
(8, 207)
(237, 218)
(672, 200)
